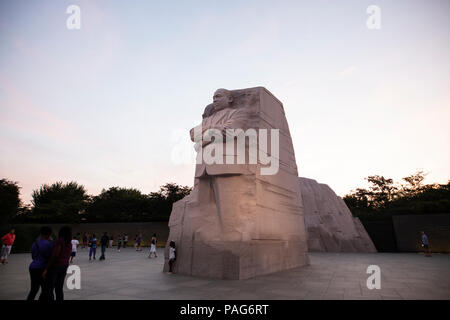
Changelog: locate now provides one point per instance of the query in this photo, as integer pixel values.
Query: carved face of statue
(222, 99)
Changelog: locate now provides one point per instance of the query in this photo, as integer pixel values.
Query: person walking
(153, 246)
(119, 243)
(54, 273)
(104, 240)
(111, 241)
(7, 242)
(426, 244)
(40, 253)
(125, 240)
(138, 242)
(75, 243)
(85, 240)
(93, 246)
(172, 255)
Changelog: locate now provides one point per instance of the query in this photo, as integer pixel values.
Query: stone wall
(436, 227)
(27, 233)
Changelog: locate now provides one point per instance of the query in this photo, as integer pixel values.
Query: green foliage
(59, 202)
(69, 203)
(116, 204)
(9, 200)
(126, 205)
(383, 198)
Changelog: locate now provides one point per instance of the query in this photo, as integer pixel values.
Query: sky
(111, 103)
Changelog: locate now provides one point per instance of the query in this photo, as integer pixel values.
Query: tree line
(70, 203)
(385, 198)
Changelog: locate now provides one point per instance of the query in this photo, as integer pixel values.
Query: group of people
(52, 258)
(50, 262)
(106, 241)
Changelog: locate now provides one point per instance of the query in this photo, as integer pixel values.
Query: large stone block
(329, 223)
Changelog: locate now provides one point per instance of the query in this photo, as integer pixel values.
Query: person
(125, 240)
(55, 271)
(135, 241)
(426, 244)
(104, 240)
(172, 255)
(111, 241)
(153, 246)
(40, 253)
(119, 243)
(138, 242)
(84, 240)
(93, 246)
(75, 243)
(7, 242)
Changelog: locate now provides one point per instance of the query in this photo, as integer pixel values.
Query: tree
(384, 199)
(414, 185)
(59, 202)
(381, 191)
(173, 192)
(161, 202)
(117, 205)
(9, 200)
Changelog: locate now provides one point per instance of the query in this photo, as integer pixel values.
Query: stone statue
(243, 217)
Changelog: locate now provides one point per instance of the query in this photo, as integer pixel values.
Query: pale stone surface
(329, 223)
(238, 223)
(131, 275)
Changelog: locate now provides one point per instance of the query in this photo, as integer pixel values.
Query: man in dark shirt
(104, 243)
(426, 244)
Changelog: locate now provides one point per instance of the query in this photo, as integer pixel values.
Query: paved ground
(131, 275)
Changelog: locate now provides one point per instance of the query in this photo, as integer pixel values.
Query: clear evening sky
(111, 103)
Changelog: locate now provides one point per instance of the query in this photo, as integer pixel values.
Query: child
(75, 244)
(139, 242)
(153, 246)
(111, 241)
(93, 245)
(172, 256)
(119, 243)
(85, 239)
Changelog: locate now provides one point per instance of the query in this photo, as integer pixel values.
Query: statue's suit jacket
(228, 118)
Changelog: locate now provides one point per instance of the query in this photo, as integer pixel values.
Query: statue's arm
(238, 120)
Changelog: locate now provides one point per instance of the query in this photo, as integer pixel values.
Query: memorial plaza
(131, 275)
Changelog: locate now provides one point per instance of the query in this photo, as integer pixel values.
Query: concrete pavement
(131, 275)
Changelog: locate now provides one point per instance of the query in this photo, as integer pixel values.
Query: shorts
(152, 248)
(425, 246)
(73, 254)
(6, 250)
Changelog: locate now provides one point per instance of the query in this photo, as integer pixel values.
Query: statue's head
(222, 99)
